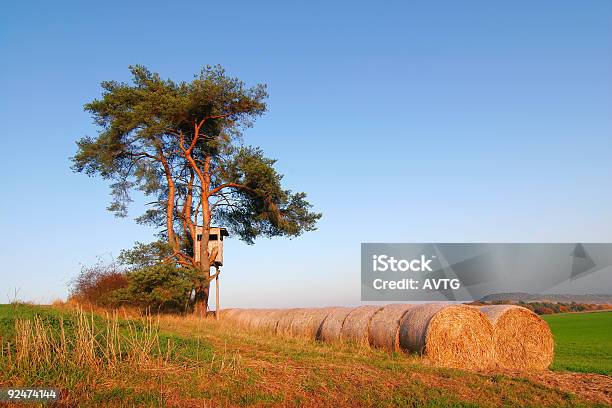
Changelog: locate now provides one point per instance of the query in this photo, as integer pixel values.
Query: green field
(583, 341)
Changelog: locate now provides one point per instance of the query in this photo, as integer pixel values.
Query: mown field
(583, 341)
(184, 362)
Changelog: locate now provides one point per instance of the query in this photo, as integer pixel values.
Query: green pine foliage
(180, 144)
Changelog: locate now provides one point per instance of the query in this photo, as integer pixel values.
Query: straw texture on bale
(307, 322)
(228, 313)
(356, 326)
(269, 319)
(457, 336)
(234, 314)
(246, 317)
(255, 318)
(332, 325)
(258, 317)
(384, 326)
(521, 339)
(286, 319)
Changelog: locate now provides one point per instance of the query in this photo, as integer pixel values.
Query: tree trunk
(172, 240)
(202, 293)
(201, 300)
(203, 290)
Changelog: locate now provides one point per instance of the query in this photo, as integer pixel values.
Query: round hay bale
(228, 313)
(384, 327)
(245, 317)
(332, 325)
(234, 315)
(269, 319)
(256, 317)
(457, 336)
(521, 339)
(307, 323)
(356, 326)
(286, 320)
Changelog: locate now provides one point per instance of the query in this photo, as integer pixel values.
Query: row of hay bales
(461, 336)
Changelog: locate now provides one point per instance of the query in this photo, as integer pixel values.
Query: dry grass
(38, 345)
(522, 340)
(457, 336)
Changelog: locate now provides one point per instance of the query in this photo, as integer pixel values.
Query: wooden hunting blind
(215, 240)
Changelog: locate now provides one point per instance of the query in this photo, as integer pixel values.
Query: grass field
(583, 341)
(183, 362)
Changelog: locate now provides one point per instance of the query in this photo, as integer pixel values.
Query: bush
(542, 310)
(97, 284)
(161, 288)
(139, 279)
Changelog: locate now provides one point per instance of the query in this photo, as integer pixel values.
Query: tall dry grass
(92, 344)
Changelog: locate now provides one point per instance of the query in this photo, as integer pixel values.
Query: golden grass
(94, 346)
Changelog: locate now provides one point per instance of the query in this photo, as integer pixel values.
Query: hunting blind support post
(215, 245)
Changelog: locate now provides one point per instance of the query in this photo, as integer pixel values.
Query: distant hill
(554, 298)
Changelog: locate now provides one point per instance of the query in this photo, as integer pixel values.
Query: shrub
(139, 279)
(541, 310)
(96, 284)
(162, 288)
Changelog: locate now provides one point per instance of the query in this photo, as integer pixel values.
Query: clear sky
(443, 121)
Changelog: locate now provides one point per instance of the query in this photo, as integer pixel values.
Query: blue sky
(437, 121)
